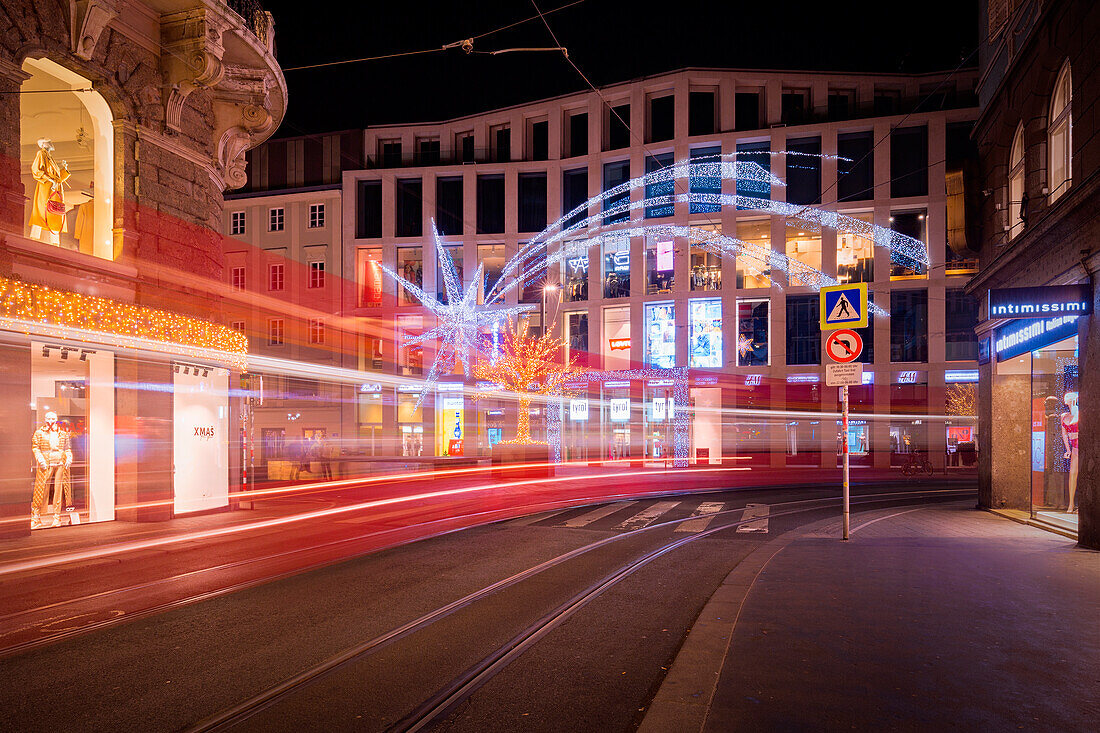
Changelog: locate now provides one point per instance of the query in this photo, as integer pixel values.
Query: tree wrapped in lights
(528, 366)
(962, 400)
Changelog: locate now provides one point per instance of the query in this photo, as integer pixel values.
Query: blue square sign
(843, 306)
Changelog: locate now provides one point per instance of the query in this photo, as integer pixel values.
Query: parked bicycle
(916, 464)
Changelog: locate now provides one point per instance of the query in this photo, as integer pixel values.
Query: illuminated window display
(576, 337)
(492, 257)
(616, 410)
(855, 255)
(752, 332)
(574, 267)
(659, 266)
(706, 267)
(912, 224)
(410, 264)
(803, 245)
(804, 434)
(370, 276)
(455, 252)
(705, 333)
(753, 271)
(369, 420)
(660, 335)
(449, 424)
(1055, 419)
(616, 338)
(410, 357)
(657, 416)
(616, 269)
(410, 419)
(575, 420)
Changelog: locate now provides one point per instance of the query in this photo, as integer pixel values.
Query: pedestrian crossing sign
(843, 306)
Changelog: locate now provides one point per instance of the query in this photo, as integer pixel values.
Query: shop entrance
(1055, 417)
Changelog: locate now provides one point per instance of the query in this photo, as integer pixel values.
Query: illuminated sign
(657, 408)
(578, 410)
(706, 380)
(660, 383)
(868, 377)
(452, 403)
(803, 378)
(960, 376)
(1024, 336)
(408, 388)
(619, 344)
(370, 387)
(578, 264)
(906, 377)
(664, 256)
(1032, 302)
(617, 384)
(620, 410)
(754, 380)
(449, 386)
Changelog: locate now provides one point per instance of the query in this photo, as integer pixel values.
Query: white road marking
(647, 515)
(702, 516)
(597, 513)
(759, 512)
(532, 518)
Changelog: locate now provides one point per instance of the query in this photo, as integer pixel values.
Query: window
(701, 113)
(370, 353)
(370, 276)
(660, 335)
(747, 111)
(275, 219)
(236, 227)
(618, 127)
(660, 265)
(841, 104)
(855, 171)
(803, 246)
(540, 140)
(532, 202)
(574, 185)
(576, 337)
(427, 151)
(754, 259)
(616, 342)
(706, 266)
(464, 146)
(368, 209)
(660, 189)
(904, 265)
(237, 326)
(501, 140)
(705, 333)
(316, 216)
(661, 118)
(448, 206)
(705, 179)
(755, 184)
(909, 161)
(316, 331)
(855, 254)
(410, 265)
(961, 316)
(492, 257)
(909, 325)
(795, 106)
(316, 274)
(803, 330)
(275, 332)
(408, 217)
(1060, 134)
(574, 266)
(410, 357)
(1016, 183)
(804, 170)
(578, 134)
(275, 277)
(490, 204)
(236, 278)
(616, 174)
(616, 268)
(390, 151)
(752, 332)
(887, 102)
(454, 252)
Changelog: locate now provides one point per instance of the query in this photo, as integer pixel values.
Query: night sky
(610, 40)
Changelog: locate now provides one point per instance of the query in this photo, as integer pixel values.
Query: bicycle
(917, 463)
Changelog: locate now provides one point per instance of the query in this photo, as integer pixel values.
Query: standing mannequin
(48, 179)
(1070, 424)
(53, 456)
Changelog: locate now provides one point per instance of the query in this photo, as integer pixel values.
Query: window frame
(1060, 124)
(276, 219)
(237, 224)
(316, 275)
(317, 216)
(276, 332)
(276, 277)
(1015, 185)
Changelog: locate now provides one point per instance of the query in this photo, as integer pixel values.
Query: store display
(1070, 424)
(53, 456)
(48, 203)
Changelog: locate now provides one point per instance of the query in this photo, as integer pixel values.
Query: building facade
(1040, 347)
(123, 122)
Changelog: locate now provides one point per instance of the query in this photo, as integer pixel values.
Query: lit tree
(961, 400)
(527, 366)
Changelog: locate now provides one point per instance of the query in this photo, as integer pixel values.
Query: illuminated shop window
(753, 268)
(660, 260)
(574, 266)
(492, 257)
(752, 332)
(855, 255)
(803, 245)
(454, 251)
(410, 357)
(706, 266)
(705, 333)
(660, 335)
(370, 276)
(410, 265)
(576, 336)
(616, 268)
(912, 224)
(616, 338)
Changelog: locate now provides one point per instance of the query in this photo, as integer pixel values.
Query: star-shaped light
(459, 320)
(744, 345)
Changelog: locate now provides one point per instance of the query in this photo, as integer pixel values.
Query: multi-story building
(887, 149)
(122, 125)
(1040, 252)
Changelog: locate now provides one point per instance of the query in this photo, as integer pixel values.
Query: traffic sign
(843, 306)
(844, 345)
(844, 375)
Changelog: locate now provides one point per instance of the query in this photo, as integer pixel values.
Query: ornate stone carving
(193, 40)
(91, 18)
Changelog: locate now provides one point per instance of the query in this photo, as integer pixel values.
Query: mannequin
(1070, 424)
(53, 455)
(49, 179)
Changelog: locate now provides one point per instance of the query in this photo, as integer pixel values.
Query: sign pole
(844, 441)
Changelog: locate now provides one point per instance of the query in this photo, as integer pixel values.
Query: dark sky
(610, 40)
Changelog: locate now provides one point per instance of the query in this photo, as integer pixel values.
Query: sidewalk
(932, 618)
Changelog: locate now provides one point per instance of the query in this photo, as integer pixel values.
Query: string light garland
(32, 308)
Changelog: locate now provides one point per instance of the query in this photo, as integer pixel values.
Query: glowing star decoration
(459, 320)
(744, 346)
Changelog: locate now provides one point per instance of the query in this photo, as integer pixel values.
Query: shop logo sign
(1019, 338)
(619, 344)
(204, 432)
(1032, 302)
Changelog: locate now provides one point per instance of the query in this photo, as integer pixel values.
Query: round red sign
(844, 345)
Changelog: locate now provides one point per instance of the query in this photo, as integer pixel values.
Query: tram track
(460, 687)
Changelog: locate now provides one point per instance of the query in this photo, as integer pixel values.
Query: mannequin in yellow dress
(48, 178)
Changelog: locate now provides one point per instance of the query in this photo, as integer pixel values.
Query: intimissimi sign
(1021, 337)
(1035, 302)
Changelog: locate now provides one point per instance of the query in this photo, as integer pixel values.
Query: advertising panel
(620, 409)
(660, 332)
(200, 413)
(705, 333)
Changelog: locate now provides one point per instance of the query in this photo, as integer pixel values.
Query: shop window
(909, 161)
(574, 192)
(576, 337)
(614, 175)
(701, 113)
(803, 434)
(275, 331)
(370, 276)
(855, 168)
(655, 192)
(803, 162)
(618, 127)
(754, 260)
(1060, 134)
(855, 255)
(370, 353)
(532, 202)
(410, 419)
(369, 418)
(410, 357)
(410, 265)
(275, 277)
(753, 188)
(316, 331)
(534, 277)
(316, 274)
(236, 278)
(540, 140)
(490, 204)
(616, 268)
(67, 160)
(368, 209)
(961, 316)
(448, 206)
(803, 246)
(616, 409)
(578, 134)
(616, 338)
(408, 216)
(752, 332)
(803, 330)
(1016, 183)
(909, 325)
(747, 111)
(705, 333)
(660, 335)
(316, 216)
(1055, 418)
(660, 262)
(454, 252)
(706, 179)
(706, 266)
(575, 271)
(661, 118)
(491, 256)
(236, 226)
(912, 224)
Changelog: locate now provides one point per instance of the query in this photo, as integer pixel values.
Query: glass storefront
(706, 425)
(574, 267)
(576, 337)
(615, 409)
(410, 420)
(660, 335)
(659, 266)
(657, 417)
(705, 333)
(449, 428)
(576, 426)
(616, 269)
(616, 341)
(1055, 419)
(753, 262)
(752, 332)
(803, 246)
(855, 255)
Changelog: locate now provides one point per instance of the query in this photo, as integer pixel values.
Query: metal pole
(844, 442)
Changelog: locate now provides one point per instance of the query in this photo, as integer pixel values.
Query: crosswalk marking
(760, 513)
(701, 517)
(597, 513)
(647, 515)
(533, 518)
